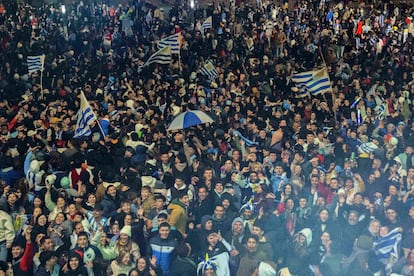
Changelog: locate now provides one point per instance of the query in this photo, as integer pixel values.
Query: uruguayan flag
(209, 70)
(314, 82)
(85, 118)
(173, 41)
(207, 24)
(35, 63)
(162, 56)
(387, 248)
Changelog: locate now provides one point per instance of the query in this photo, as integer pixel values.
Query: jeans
(3, 251)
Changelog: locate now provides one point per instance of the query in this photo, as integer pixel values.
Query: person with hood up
(179, 215)
(237, 237)
(74, 267)
(111, 201)
(298, 259)
(197, 236)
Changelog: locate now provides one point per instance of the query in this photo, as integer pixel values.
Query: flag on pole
(207, 24)
(209, 70)
(315, 82)
(173, 41)
(35, 63)
(85, 118)
(162, 56)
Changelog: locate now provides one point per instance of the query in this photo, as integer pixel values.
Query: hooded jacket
(178, 216)
(79, 271)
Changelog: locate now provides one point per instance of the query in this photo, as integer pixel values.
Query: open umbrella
(189, 118)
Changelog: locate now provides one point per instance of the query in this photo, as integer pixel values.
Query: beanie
(238, 219)
(126, 230)
(364, 242)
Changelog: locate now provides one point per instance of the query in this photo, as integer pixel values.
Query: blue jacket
(164, 251)
(109, 207)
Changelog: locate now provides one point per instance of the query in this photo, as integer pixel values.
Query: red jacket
(24, 265)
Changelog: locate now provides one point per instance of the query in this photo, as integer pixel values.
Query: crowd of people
(282, 183)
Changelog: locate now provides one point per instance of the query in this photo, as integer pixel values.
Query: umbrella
(189, 118)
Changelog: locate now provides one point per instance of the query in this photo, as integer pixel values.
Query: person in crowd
(125, 244)
(163, 248)
(146, 267)
(22, 257)
(179, 213)
(122, 264)
(217, 248)
(48, 260)
(74, 266)
(183, 264)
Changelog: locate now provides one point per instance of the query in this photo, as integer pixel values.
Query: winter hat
(204, 219)
(238, 219)
(364, 242)
(307, 233)
(126, 230)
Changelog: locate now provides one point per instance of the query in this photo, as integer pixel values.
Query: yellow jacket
(178, 215)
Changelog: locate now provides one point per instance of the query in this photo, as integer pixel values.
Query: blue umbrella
(188, 119)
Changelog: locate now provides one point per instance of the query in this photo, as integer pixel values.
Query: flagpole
(41, 76)
(332, 94)
(96, 119)
(179, 61)
(41, 84)
(99, 125)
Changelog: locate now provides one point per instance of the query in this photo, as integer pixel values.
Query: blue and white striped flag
(315, 82)
(162, 56)
(35, 63)
(209, 70)
(387, 248)
(207, 24)
(85, 118)
(173, 41)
